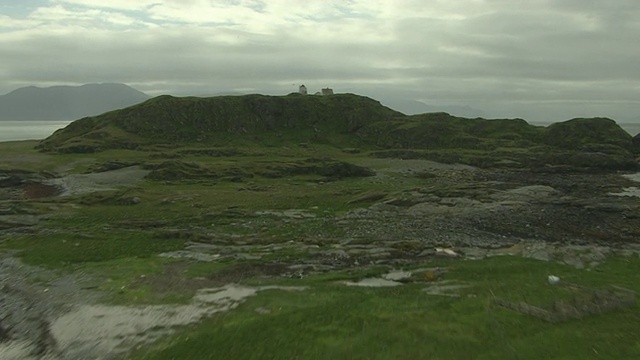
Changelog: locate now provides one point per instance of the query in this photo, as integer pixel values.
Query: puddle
(446, 288)
(373, 282)
(391, 278)
(397, 275)
(93, 331)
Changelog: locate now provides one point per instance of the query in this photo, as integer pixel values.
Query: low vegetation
(330, 320)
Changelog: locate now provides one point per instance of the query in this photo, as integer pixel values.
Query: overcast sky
(537, 59)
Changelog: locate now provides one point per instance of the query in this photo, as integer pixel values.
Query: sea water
(631, 128)
(29, 130)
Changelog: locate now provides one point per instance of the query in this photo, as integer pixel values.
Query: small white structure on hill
(327, 91)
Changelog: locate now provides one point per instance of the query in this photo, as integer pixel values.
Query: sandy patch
(373, 282)
(446, 288)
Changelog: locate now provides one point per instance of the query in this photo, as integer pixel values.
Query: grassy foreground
(218, 200)
(333, 321)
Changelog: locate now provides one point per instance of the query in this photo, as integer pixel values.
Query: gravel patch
(77, 184)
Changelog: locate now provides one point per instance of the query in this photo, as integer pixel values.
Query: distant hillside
(414, 107)
(67, 102)
(344, 121)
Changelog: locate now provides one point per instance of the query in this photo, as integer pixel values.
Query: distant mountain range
(75, 102)
(67, 102)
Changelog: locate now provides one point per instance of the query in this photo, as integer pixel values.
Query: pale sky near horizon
(542, 60)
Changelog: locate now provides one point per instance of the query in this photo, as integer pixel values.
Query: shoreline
(11, 130)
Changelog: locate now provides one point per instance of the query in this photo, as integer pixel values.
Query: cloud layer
(541, 60)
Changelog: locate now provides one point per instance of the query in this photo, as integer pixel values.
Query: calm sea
(29, 130)
(633, 129)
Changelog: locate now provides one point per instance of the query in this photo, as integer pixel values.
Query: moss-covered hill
(345, 120)
(224, 120)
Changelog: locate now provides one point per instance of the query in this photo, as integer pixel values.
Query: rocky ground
(31, 299)
(469, 213)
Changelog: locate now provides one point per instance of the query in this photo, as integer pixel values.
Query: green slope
(259, 119)
(345, 121)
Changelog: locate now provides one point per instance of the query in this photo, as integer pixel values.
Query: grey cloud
(539, 60)
(174, 56)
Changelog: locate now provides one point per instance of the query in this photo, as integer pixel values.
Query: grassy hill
(344, 121)
(224, 120)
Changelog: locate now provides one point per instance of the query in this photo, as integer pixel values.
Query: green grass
(117, 279)
(332, 321)
(63, 249)
(99, 230)
(117, 245)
